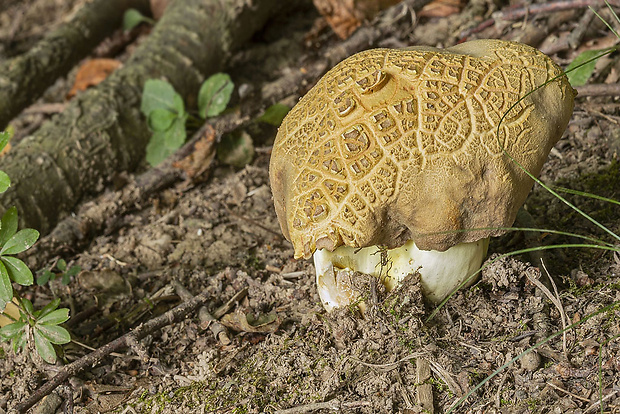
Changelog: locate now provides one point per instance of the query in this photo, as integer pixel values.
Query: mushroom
(394, 161)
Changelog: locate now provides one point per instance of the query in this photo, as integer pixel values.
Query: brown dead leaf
(241, 322)
(344, 16)
(6, 149)
(199, 161)
(91, 73)
(11, 309)
(442, 8)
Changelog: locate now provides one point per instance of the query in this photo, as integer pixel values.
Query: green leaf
(45, 277)
(27, 305)
(44, 347)
(164, 144)
(61, 265)
(11, 330)
(19, 341)
(133, 17)
(579, 75)
(156, 150)
(20, 241)
(6, 290)
(179, 106)
(54, 317)
(5, 136)
(274, 114)
(47, 308)
(8, 225)
(55, 334)
(18, 271)
(158, 94)
(73, 271)
(5, 182)
(214, 95)
(160, 120)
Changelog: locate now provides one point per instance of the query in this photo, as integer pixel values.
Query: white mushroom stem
(441, 273)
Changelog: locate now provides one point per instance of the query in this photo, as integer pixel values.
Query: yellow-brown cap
(392, 145)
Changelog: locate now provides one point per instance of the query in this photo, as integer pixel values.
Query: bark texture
(102, 131)
(24, 78)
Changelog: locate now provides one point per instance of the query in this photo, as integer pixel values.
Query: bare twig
(333, 405)
(555, 300)
(225, 308)
(598, 402)
(598, 89)
(94, 358)
(516, 13)
(568, 392)
(390, 365)
(206, 319)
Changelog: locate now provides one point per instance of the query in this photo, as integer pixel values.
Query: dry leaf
(91, 73)
(12, 310)
(344, 16)
(199, 161)
(442, 8)
(242, 322)
(6, 149)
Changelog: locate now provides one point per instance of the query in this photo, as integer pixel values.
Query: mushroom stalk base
(441, 273)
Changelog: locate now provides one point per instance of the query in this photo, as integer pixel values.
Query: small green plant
(274, 114)
(132, 18)
(41, 326)
(65, 274)
(25, 324)
(13, 242)
(166, 114)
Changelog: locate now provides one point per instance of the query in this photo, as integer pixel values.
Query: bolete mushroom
(393, 162)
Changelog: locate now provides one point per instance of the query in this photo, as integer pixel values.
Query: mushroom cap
(397, 145)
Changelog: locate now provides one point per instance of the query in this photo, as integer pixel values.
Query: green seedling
(274, 114)
(133, 18)
(65, 274)
(40, 326)
(13, 242)
(167, 117)
(26, 325)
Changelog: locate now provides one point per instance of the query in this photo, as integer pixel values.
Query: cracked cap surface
(393, 145)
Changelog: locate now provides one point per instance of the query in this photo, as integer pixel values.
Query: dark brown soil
(497, 343)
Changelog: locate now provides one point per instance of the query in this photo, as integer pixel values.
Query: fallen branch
(332, 405)
(598, 89)
(24, 79)
(516, 13)
(94, 358)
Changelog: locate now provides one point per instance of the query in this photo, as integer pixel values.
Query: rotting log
(24, 78)
(102, 132)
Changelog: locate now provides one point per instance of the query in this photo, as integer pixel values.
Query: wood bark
(24, 79)
(102, 131)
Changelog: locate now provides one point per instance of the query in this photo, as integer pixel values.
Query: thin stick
(94, 358)
(555, 300)
(517, 13)
(332, 405)
(598, 89)
(568, 392)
